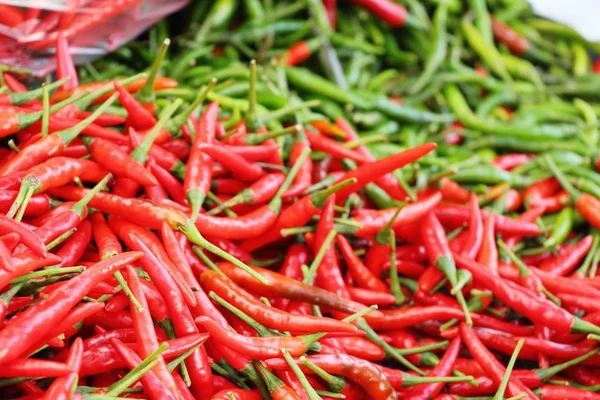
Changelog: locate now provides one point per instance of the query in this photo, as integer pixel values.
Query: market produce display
(307, 199)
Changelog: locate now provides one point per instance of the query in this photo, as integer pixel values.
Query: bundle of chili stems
(199, 230)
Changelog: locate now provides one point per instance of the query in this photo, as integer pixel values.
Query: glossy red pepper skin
(491, 365)
(303, 179)
(282, 286)
(39, 318)
(386, 10)
(268, 316)
(564, 264)
(60, 389)
(444, 368)
(373, 221)
(368, 376)
(507, 36)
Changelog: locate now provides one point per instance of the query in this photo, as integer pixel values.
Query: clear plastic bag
(29, 28)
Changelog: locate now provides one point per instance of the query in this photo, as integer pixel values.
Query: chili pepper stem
(194, 236)
(310, 391)
(311, 272)
(375, 338)
(136, 373)
(582, 326)
(146, 94)
(511, 364)
(335, 383)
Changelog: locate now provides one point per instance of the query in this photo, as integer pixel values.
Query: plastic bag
(29, 28)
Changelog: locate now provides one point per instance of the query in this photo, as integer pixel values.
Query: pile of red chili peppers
(177, 235)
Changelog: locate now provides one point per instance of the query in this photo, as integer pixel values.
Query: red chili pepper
(366, 296)
(386, 10)
(507, 36)
(569, 260)
(269, 316)
(239, 167)
(403, 339)
(452, 191)
(13, 84)
(138, 116)
(24, 263)
(73, 248)
(333, 148)
(64, 63)
(203, 304)
(39, 318)
(488, 253)
(180, 315)
(443, 369)
(48, 146)
(34, 368)
(144, 328)
(26, 236)
(111, 157)
(106, 241)
(132, 235)
(408, 317)
(296, 256)
(372, 171)
(282, 286)
(150, 382)
(474, 237)
(167, 181)
(303, 179)
(452, 216)
(372, 221)
(257, 347)
(258, 192)
(359, 272)
(297, 214)
(301, 51)
(60, 389)
(540, 190)
(491, 365)
(508, 162)
(539, 311)
(11, 16)
(329, 275)
(237, 394)
(198, 173)
(366, 375)
(96, 130)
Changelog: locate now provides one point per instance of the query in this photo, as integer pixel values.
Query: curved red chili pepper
(269, 316)
(74, 247)
(386, 10)
(111, 157)
(569, 260)
(444, 368)
(138, 116)
(303, 179)
(507, 36)
(17, 336)
(359, 272)
(474, 237)
(64, 64)
(372, 221)
(369, 172)
(491, 365)
(152, 385)
(368, 376)
(60, 389)
(452, 216)
(290, 288)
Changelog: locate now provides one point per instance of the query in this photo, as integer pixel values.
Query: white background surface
(581, 15)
